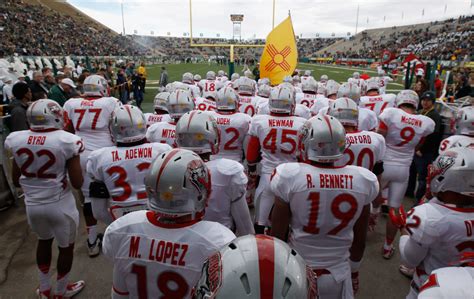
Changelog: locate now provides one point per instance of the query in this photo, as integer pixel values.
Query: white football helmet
(465, 121)
(45, 114)
(263, 81)
(179, 102)
(248, 74)
(239, 269)
(234, 77)
(227, 99)
(331, 88)
(127, 124)
(349, 90)
(178, 184)
(220, 73)
(408, 97)
(453, 171)
(96, 86)
(345, 110)
(188, 78)
(372, 84)
(211, 75)
(356, 75)
(282, 100)
(264, 90)
(309, 86)
(210, 94)
(197, 131)
(307, 73)
(288, 79)
(321, 89)
(161, 101)
(197, 78)
(324, 78)
(296, 79)
(245, 86)
(322, 139)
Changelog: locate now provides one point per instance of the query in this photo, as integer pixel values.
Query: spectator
(22, 97)
(438, 85)
(61, 92)
(37, 86)
(428, 152)
(7, 90)
(142, 72)
(463, 89)
(122, 86)
(420, 86)
(256, 72)
(163, 77)
(137, 83)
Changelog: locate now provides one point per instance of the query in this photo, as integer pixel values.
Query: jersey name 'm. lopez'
(133, 153)
(280, 123)
(411, 121)
(160, 251)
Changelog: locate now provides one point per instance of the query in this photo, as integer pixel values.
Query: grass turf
(175, 72)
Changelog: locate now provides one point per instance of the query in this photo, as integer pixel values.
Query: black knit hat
(428, 95)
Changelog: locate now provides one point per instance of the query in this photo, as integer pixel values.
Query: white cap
(420, 72)
(69, 82)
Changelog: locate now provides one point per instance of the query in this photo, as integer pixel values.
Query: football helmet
(178, 184)
(239, 269)
(296, 79)
(127, 124)
(331, 88)
(197, 131)
(452, 171)
(220, 73)
(211, 75)
(227, 99)
(248, 74)
(307, 73)
(234, 77)
(188, 78)
(465, 121)
(356, 75)
(245, 86)
(264, 90)
(407, 96)
(324, 78)
(282, 100)
(161, 101)
(322, 139)
(210, 95)
(372, 84)
(179, 102)
(263, 81)
(321, 89)
(349, 90)
(96, 86)
(197, 78)
(345, 110)
(45, 114)
(309, 85)
(288, 79)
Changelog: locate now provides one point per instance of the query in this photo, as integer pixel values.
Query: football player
(307, 97)
(209, 84)
(256, 267)
(188, 80)
(233, 125)
(45, 157)
(375, 101)
(179, 102)
(161, 110)
(306, 76)
(197, 79)
(273, 140)
(246, 89)
(221, 77)
(197, 131)
(207, 102)
(464, 131)
(323, 80)
(356, 79)
(118, 172)
(160, 253)
(368, 120)
(383, 80)
(89, 119)
(438, 232)
(323, 210)
(404, 132)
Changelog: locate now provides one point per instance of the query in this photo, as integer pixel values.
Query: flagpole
(273, 19)
(357, 19)
(123, 20)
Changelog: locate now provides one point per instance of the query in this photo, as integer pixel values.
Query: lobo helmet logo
(445, 162)
(199, 177)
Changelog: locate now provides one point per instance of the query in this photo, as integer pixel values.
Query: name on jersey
(87, 103)
(377, 99)
(280, 123)
(155, 118)
(245, 100)
(411, 121)
(36, 140)
(133, 153)
(160, 251)
(168, 133)
(223, 121)
(331, 181)
(358, 139)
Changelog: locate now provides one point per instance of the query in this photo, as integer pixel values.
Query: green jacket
(56, 93)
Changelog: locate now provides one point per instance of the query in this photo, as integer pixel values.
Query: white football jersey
(456, 141)
(222, 79)
(163, 132)
(449, 282)
(383, 82)
(233, 129)
(404, 132)
(318, 104)
(152, 118)
(229, 183)
(446, 231)
(278, 139)
(205, 104)
(194, 90)
(90, 118)
(364, 149)
(306, 99)
(158, 260)
(208, 86)
(123, 170)
(42, 157)
(302, 111)
(378, 103)
(248, 105)
(325, 203)
(368, 120)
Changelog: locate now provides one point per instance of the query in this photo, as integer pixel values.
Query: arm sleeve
(280, 185)
(119, 286)
(92, 167)
(411, 252)
(253, 149)
(241, 215)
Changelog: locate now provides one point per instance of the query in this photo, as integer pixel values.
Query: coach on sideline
(22, 96)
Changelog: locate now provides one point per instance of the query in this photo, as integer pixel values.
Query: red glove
(355, 282)
(400, 219)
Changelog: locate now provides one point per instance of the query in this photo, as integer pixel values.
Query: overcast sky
(310, 17)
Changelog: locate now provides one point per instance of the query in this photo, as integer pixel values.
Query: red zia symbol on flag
(278, 58)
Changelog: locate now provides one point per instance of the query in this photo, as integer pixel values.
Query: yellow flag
(280, 56)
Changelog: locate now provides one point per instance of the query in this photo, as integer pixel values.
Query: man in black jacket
(23, 96)
(38, 88)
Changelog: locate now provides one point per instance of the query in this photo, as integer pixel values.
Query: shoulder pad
(288, 170)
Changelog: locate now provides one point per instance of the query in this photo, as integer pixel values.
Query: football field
(175, 72)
